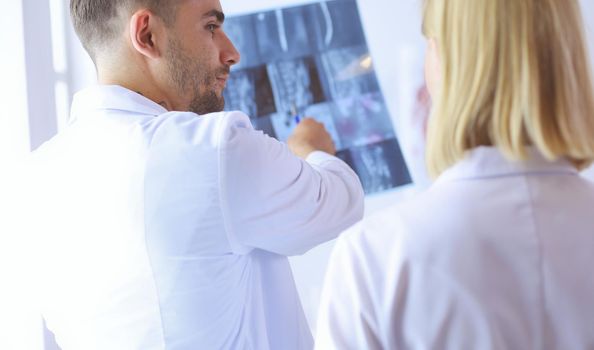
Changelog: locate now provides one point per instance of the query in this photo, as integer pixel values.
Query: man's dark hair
(98, 22)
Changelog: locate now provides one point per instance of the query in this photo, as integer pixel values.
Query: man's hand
(310, 136)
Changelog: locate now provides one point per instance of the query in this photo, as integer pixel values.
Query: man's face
(199, 55)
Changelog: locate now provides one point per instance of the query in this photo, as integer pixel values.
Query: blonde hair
(515, 73)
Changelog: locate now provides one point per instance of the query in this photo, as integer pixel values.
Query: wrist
(302, 151)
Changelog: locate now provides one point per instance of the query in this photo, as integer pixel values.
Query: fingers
(310, 135)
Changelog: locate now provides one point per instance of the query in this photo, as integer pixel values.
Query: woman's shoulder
(428, 224)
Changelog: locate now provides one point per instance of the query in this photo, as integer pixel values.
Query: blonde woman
(498, 253)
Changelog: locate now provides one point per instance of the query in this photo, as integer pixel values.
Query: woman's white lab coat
(495, 255)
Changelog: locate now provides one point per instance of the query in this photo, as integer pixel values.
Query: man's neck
(134, 76)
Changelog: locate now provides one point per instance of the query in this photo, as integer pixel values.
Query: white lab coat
(495, 255)
(168, 230)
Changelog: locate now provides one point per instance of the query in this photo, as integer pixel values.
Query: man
(165, 223)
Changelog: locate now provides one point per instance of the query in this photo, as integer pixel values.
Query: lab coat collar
(112, 97)
(484, 162)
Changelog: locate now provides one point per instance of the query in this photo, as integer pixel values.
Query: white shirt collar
(112, 97)
(483, 162)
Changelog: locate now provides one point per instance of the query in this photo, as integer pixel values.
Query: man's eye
(212, 27)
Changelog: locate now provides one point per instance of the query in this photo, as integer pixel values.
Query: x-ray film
(313, 60)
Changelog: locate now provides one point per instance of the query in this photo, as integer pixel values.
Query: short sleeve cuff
(319, 157)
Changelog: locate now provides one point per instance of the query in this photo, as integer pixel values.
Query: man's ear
(146, 30)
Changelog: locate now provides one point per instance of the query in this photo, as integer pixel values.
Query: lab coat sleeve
(275, 201)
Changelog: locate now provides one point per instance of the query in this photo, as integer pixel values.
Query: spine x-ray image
(314, 61)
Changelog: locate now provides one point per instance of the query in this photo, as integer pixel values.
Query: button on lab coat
(495, 255)
(168, 230)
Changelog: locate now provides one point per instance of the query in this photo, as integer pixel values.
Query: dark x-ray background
(314, 61)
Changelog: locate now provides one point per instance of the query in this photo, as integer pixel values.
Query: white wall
(20, 326)
(40, 72)
(14, 134)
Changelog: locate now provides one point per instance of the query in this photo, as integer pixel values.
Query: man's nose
(229, 54)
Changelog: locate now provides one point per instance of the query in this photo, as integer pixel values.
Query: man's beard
(187, 73)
